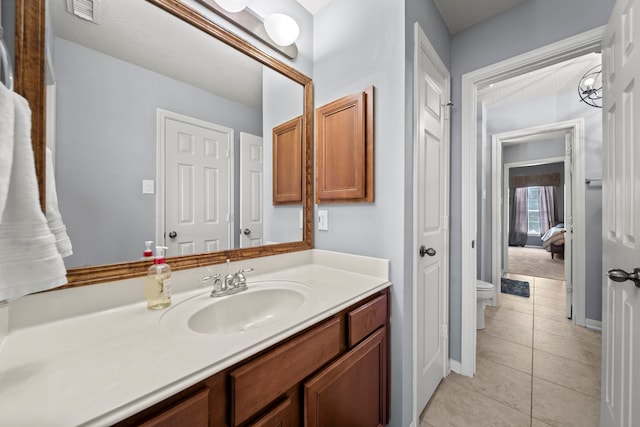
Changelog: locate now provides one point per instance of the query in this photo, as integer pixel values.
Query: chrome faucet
(232, 283)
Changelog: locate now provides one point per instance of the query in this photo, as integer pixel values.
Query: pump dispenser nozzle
(148, 253)
(160, 251)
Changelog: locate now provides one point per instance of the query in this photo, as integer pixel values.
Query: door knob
(246, 231)
(618, 275)
(424, 251)
(173, 234)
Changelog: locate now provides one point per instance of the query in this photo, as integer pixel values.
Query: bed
(553, 240)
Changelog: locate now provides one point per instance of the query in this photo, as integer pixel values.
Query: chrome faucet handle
(242, 279)
(217, 283)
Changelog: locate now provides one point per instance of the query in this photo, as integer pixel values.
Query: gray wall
(106, 138)
(360, 43)
(557, 167)
(282, 101)
(530, 25)
(9, 26)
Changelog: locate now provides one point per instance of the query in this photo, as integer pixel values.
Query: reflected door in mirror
(198, 184)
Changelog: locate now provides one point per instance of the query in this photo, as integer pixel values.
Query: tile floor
(534, 368)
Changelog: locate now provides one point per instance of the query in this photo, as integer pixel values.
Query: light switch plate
(323, 220)
(147, 186)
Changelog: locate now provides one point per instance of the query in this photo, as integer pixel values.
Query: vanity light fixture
(278, 31)
(233, 6)
(282, 28)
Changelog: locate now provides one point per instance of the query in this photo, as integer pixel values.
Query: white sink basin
(263, 303)
(244, 311)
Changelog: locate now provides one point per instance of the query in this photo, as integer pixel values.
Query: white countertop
(96, 368)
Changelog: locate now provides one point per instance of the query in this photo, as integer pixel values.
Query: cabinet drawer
(364, 320)
(263, 380)
(193, 411)
(280, 416)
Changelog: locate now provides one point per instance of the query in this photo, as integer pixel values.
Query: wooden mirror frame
(29, 82)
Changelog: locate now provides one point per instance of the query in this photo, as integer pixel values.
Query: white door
(431, 149)
(620, 395)
(198, 185)
(568, 225)
(251, 190)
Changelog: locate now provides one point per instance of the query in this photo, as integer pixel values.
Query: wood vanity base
(332, 374)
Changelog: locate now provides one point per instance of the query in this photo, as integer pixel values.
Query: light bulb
(589, 82)
(282, 29)
(233, 5)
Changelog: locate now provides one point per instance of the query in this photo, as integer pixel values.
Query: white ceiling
(540, 83)
(462, 14)
(313, 6)
(143, 34)
(457, 14)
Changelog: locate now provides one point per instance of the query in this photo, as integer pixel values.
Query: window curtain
(548, 208)
(518, 221)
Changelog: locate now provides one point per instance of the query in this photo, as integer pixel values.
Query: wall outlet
(147, 186)
(323, 220)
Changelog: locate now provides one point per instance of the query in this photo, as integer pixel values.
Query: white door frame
(574, 129)
(161, 117)
(422, 42)
(563, 50)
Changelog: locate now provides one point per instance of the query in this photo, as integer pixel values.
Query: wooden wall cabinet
(332, 374)
(344, 156)
(287, 162)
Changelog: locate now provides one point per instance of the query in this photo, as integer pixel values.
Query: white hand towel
(29, 259)
(53, 212)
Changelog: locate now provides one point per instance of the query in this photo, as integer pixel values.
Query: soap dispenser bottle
(157, 285)
(147, 253)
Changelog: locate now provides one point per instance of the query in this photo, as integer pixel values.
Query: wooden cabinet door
(352, 390)
(287, 162)
(344, 154)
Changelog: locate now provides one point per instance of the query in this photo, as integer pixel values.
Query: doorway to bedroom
(535, 216)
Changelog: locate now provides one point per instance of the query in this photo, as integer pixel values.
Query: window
(533, 210)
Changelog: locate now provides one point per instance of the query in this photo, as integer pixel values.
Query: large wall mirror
(160, 124)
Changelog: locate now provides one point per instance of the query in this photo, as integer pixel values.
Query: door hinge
(445, 222)
(229, 218)
(445, 331)
(447, 110)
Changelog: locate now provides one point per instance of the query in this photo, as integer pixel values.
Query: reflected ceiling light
(282, 29)
(233, 5)
(590, 87)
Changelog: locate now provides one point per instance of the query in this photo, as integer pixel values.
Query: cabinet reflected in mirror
(160, 130)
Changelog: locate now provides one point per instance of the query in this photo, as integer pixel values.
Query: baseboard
(596, 325)
(455, 366)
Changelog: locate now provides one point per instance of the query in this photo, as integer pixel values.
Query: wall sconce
(278, 31)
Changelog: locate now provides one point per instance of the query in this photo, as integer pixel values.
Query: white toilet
(484, 293)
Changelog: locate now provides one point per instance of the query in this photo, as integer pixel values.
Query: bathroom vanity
(333, 373)
(321, 358)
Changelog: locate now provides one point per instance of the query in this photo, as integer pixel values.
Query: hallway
(534, 368)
